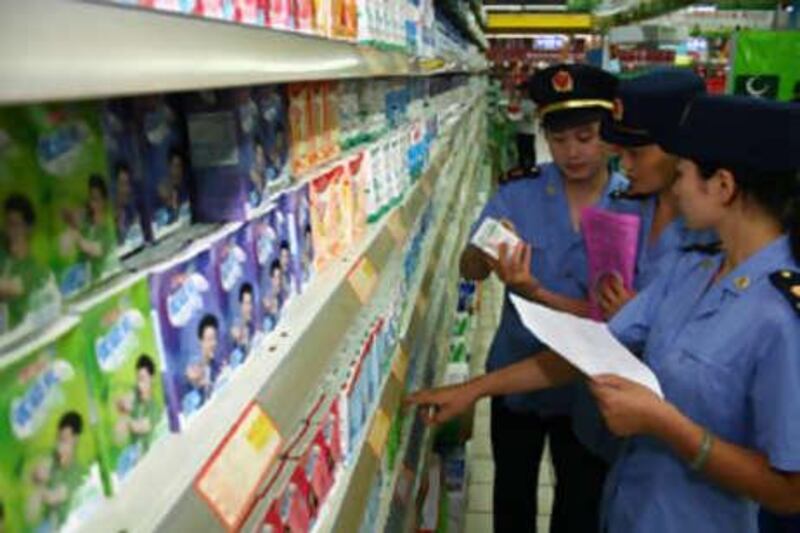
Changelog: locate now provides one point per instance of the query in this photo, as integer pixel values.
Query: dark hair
(73, 421)
(284, 244)
(20, 204)
(146, 362)
(208, 321)
(276, 265)
(122, 166)
(257, 141)
(246, 288)
(777, 192)
(174, 152)
(97, 182)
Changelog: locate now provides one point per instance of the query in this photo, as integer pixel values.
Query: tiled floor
(479, 456)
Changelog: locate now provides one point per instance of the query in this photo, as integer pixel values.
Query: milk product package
(191, 332)
(272, 145)
(164, 146)
(125, 375)
(25, 246)
(491, 234)
(125, 170)
(68, 141)
(228, 182)
(238, 292)
(269, 272)
(50, 470)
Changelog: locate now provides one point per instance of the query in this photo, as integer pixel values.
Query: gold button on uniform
(742, 282)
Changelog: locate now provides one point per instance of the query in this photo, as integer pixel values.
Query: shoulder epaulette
(788, 283)
(707, 249)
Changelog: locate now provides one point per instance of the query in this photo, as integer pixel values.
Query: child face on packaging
(277, 281)
(17, 230)
(144, 383)
(247, 307)
(97, 204)
(208, 343)
(65, 448)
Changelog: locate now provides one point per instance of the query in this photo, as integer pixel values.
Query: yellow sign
(539, 21)
(379, 432)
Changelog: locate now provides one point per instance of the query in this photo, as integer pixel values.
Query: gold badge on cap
(562, 82)
(796, 290)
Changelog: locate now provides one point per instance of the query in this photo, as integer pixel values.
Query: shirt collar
(761, 264)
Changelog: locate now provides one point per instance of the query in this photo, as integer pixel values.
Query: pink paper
(611, 245)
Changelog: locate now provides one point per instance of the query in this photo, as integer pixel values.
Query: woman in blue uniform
(544, 209)
(645, 104)
(720, 331)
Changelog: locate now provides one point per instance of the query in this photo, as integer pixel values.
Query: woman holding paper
(720, 332)
(549, 267)
(643, 105)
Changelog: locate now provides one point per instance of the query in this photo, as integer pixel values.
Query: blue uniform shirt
(539, 210)
(653, 260)
(727, 356)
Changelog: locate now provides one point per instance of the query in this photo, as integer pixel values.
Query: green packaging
(67, 145)
(124, 370)
(49, 474)
(29, 296)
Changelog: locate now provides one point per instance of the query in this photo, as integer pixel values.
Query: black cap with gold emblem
(572, 95)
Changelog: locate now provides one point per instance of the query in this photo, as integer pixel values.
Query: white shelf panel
(73, 49)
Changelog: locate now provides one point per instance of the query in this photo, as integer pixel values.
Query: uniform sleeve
(775, 392)
(631, 325)
(498, 207)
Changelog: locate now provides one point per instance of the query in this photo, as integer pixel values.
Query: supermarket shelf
(74, 49)
(281, 375)
(346, 506)
(389, 489)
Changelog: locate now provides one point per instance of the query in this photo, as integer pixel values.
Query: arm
(632, 409)
(90, 248)
(11, 288)
(733, 467)
(546, 370)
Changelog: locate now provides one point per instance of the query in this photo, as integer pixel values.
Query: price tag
(230, 478)
(363, 279)
(379, 432)
(400, 364)
(396, 228)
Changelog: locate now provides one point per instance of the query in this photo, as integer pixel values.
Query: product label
(29, 411)
(113, 348)
(183, 303)
(213, 139)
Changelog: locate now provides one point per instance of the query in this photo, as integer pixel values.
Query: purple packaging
(222, 131)
(162, 138)
(238, 292)
(190, 329)
(265, 249)
(296, 248)
(125, 170)
(272, 142)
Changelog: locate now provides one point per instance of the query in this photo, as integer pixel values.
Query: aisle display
(180, 259)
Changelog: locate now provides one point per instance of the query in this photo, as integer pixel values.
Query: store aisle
(479, 453)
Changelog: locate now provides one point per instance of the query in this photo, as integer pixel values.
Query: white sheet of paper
(586, 344)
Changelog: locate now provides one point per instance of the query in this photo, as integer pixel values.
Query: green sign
(765, 64)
